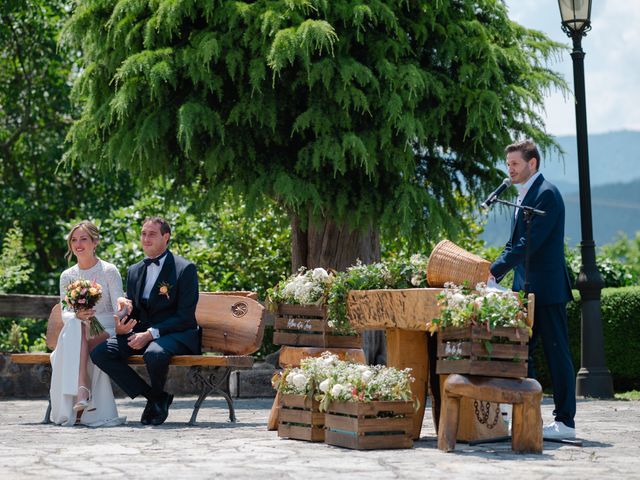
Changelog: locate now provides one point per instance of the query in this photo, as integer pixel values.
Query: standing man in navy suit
(162, 293)
(548, 277)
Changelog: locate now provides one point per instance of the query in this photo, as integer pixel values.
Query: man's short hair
(164, 225)
(527, 148)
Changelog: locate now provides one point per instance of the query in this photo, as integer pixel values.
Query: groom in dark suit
(162, 293)
(548, 277)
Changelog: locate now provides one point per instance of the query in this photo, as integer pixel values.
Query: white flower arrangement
(327, 379)
(307, 287)
(350, 382)
(488, 307)
(305, 379)
(319, 287)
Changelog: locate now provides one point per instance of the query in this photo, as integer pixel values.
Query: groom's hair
(164, 225)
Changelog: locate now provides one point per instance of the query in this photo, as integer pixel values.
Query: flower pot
(369, 425)
(501, 352)
(306, 326)
(300, 418)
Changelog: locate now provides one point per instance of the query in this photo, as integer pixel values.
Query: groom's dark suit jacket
(175, 315)
(548, 276)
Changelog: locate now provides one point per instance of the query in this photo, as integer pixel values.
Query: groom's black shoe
(147, 414)
(160, 410)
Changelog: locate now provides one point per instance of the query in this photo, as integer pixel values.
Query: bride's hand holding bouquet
(81, 296)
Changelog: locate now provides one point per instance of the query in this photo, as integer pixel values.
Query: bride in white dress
(77, 385)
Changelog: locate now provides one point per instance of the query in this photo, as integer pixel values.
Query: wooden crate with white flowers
(308, 326)
(300, 418)
(370, 425)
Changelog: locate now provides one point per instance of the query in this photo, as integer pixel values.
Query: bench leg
(44, 376)
(218, 382)
(448, 425)
(47, 415)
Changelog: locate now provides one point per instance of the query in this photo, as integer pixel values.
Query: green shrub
(620, 326)
(14, 265)
(230, 250)
(22, 335)
(615, 272)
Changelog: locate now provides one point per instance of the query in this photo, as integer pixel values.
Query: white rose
(366, 376)
(324, 385)
(319, 274)
(299, 380)
(415, 280)
(337, 390)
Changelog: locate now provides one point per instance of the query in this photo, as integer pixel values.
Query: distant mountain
(614, 161)
(613, 157)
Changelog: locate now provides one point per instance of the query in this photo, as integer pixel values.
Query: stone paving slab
(218, 449)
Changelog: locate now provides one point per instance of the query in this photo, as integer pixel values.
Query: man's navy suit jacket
(548, 275)
(173, 314)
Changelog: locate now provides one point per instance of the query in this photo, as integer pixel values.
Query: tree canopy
(376, 113)
(35, 113)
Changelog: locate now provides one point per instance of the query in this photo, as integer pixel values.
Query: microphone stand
(528, 213)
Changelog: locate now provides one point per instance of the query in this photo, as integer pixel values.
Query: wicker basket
(450, 263)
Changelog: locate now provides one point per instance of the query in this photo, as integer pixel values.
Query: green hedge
(621, 330)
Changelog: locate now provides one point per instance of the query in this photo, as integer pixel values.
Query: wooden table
(404, 314)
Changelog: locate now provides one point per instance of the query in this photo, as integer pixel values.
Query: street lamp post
(594, 379)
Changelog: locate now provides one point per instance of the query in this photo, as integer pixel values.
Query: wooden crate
(300, 418)
(369, 425)
(464, 350)
(306, 326)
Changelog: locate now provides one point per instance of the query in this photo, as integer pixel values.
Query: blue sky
(612, 64)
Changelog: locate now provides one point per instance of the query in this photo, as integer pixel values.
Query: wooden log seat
(525, 394)
(232, 329)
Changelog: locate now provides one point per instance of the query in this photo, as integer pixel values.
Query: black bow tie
(149, 261)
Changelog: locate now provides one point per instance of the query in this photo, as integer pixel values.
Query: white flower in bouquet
(299, 380)
(337, 390)
(366, 376)
(320, 275)
(324, 385)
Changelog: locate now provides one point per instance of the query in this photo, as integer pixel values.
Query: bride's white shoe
(82, 404)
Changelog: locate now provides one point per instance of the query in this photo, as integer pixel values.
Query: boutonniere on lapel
(164, 288)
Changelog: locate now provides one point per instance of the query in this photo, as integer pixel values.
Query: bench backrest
(231, 322)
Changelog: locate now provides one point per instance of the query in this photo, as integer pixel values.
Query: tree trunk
(336, 246)
(331, 245)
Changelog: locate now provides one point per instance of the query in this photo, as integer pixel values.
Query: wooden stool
(525, 394)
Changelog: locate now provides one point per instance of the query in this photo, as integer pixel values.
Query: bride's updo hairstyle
(88, 227)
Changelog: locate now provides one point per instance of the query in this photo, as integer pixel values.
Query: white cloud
(612, 64)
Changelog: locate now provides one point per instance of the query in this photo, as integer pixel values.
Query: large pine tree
(355, 116)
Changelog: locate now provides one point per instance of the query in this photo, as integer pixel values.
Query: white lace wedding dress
(65, 359)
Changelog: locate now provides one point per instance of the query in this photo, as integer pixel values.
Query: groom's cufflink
(155, 333)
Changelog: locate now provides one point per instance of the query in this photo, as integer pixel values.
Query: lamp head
(576, 16)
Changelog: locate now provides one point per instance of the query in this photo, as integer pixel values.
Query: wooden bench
(232, 329)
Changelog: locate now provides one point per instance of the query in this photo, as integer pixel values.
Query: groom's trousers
(111, 357)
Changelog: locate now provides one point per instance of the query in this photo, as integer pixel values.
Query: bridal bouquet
(84, 294)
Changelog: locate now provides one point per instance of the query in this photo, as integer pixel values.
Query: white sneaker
(558, 430)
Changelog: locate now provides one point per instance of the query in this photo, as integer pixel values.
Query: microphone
(506, 183)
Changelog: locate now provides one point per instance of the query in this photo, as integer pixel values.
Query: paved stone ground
(218, 449)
